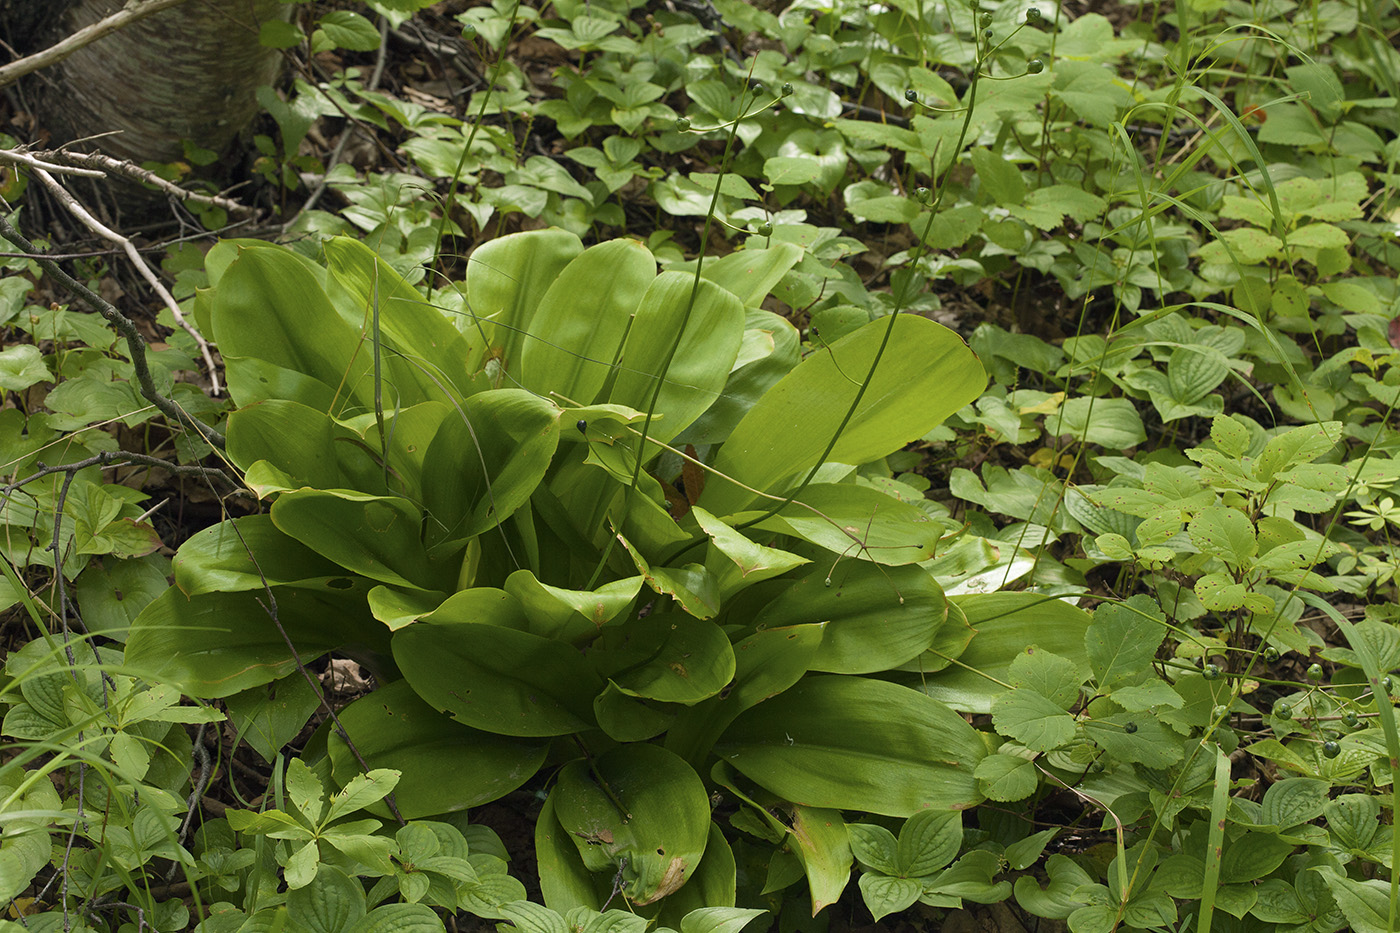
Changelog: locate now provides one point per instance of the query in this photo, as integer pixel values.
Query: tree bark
(186, 73)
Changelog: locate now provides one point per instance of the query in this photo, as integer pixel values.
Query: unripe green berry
(1211, 672)
(682, 125)
(923, 194)
(1271, 654)
(1314, 672)
(1331, 749)
(765, 228)
(911, 95)
(1033, 15)
(469, 32)
(1035, 66)
(1130, 727)
(1387, 683)
(787, 90)
(756, 87)
(1350, 719)
(985, 19)
(1220, 712)
(1282, 710)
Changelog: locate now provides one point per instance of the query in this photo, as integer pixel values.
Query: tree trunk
(186, 73)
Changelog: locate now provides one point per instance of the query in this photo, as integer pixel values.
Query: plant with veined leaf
(556, 525)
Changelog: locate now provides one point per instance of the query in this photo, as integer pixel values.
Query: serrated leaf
(1054, 677)
(1032, 719)
(1122, 641)
(1224, 533)
(1006, 778)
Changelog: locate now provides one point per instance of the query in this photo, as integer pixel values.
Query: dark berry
(682, 125)
(1331, 749)
(1211, 672)
(582, 427)
(1282, 710)
(1351, 720)
(1035, 66)
(787, 90)
(1130, 727)
(987, 33)
(911, 95)
(1271, 654)
(1033, 15)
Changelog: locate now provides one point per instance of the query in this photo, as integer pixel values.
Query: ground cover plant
(724, 466)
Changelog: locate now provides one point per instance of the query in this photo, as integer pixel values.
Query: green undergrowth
(947, 450)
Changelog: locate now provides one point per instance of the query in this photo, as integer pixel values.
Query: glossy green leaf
(485, 462)
(662, 826)
(297, 440)
(271, 307)
(819, 838)
(480, 604)
(1005, 624)
(766, 664)
(628, 718)
(666, 656)
(1224, 533)
(701, 364)
(399, 918)
(857, 744)
(507, 277)
(498, 679)
(876, 618)
(885, 895)
(581, 320)
(228, 557)
(1122, 641)
(375, 536)
(332, 903)
(444, 766)
(418, 341)
(750, 274)
(220, 643)
(930, 375)
(860, 523)
(570, 615)
(753, 562)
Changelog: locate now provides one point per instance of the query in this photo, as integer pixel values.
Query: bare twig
(66, 198)
(119, 458)
(124, 325)
(64, 160)
(57, 52)
(34, 161)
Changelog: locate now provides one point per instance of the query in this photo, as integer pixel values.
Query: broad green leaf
(269, 716)
(581, 320)
(1229, 435)
(884, 895)
(271, 307)
(1058, 899)
(1032, 719)
(766, 664)
(999, 178)
(374, 536)
(1294, 801)
(875, 847)
(666, 656)
(1122, 641)
(876, 618)
(713, 328)
(851, 743)
(1109, 422)
(565, 882)
(299, 441)
(627, 718)
(483, 604)
(332, 903)
(719, 919)
(246, 553)
(712, 885)
(860, 523)
(1050, 675)
(1253, 856)
(444, 766)
(399, 918)
(753, 562)
(484, 463)
(22, 366)
(928, 841)
(1224, 533)
(507, 277)
(1151, 743)
(220, 643)
(928, 374)
(305, 792)
(498, 679)
(1005, 623)
(1296, 446)
(1006, 778)
(409, 327)
(820, 840)
(570, 615)
(661, 829)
